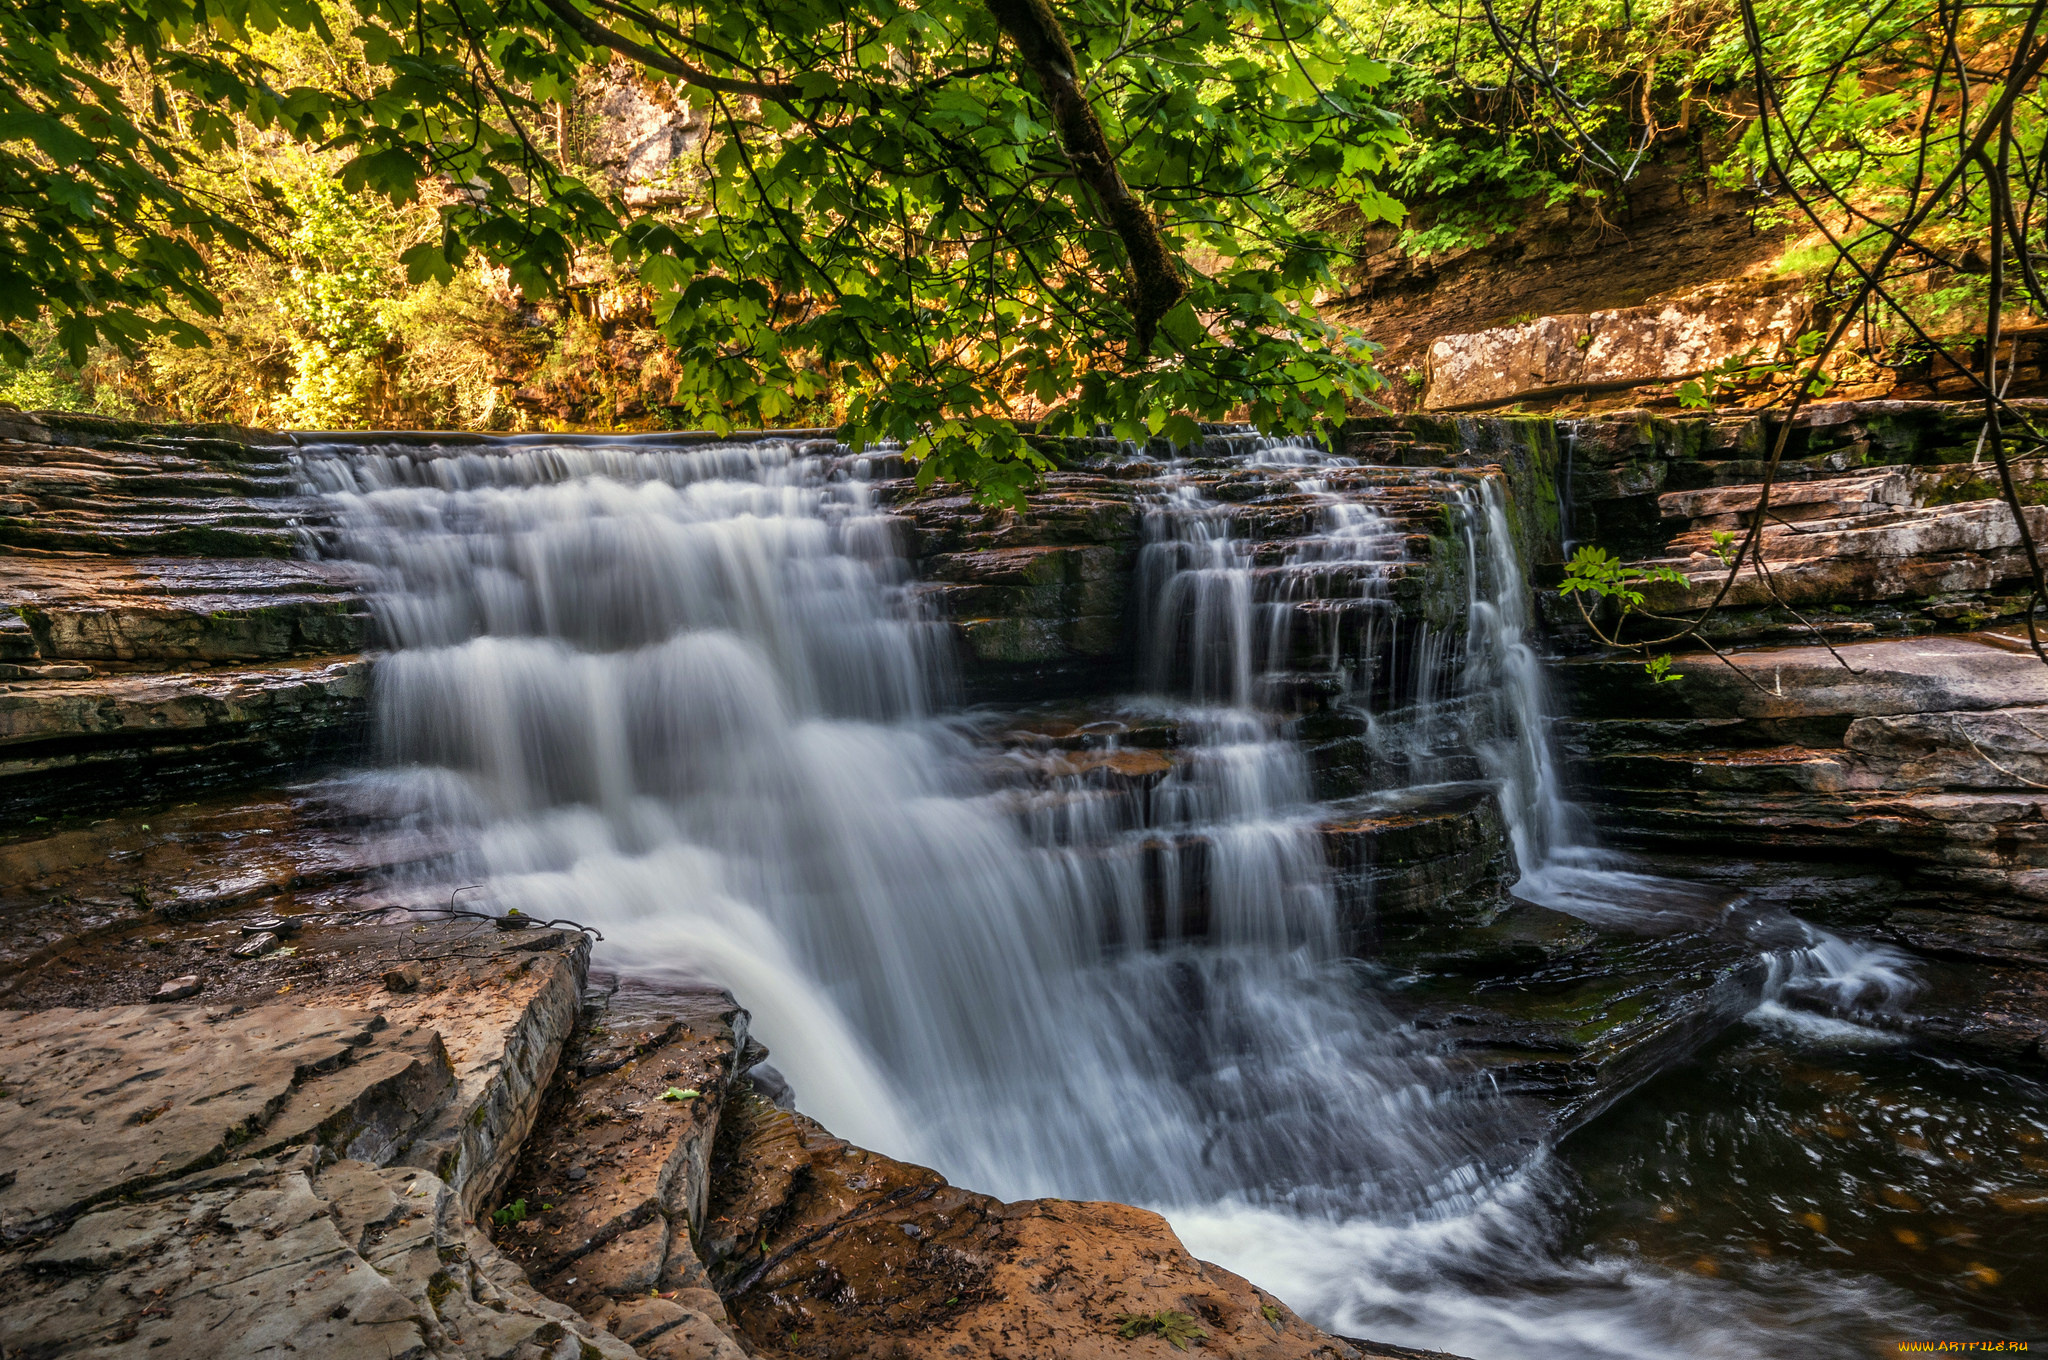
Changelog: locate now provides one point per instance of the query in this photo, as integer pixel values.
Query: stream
(695, 696)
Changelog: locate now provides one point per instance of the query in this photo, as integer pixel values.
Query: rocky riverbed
(524, 1160)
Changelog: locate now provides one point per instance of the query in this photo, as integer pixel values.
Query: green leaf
(50, 135)
(426, 261)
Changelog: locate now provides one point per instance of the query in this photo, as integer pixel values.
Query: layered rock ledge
(156, 636)
(1870, 752)
(431, 1139)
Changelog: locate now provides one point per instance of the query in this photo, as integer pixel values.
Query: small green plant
(1176, 1329)
(680, 1094)
(1658, 668)
(512, 1213)
(1602, 575)
(1724, 547)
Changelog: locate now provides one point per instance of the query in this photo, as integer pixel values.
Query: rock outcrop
(1672, 233)
(239, 1179)
(1885, 769)
(670, 1198)
(1919, 762)
(1584, 353)
(824, 1249)
(242, 1174)
(155, 635)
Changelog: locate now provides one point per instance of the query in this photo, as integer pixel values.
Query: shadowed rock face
(157, 637)
(170, 609)
(1040, 602)
(1897, 789)
(1926, 753)
(76, 745)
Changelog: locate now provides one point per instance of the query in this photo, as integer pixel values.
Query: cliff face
(1893, 782)
(1602, 306)
(1677, 233)
(158, 635)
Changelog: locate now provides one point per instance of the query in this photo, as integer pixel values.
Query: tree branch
(1154, 274)
(597, 35)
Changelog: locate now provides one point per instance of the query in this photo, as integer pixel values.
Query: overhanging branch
(598, 35)
(1154, 274)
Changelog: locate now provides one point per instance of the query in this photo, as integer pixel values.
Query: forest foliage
(946, 224)
(936, 218)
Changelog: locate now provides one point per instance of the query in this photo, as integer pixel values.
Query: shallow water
(687, 696)
(1802, 1144)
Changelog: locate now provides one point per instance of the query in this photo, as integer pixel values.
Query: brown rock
(1673, 339)
(626, 1171)
(404, 978)
(824, 1249)
(177, 989)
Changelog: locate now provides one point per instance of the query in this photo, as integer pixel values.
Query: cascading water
(680, 694)
(685, 695)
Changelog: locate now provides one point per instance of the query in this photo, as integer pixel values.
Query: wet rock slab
(147, 883)
(1417, 859)
(247, 1175)
(1566, 1015)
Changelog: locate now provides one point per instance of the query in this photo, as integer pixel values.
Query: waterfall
(688, 695)
(1507, 725)
(1504, 677)
(683, 695)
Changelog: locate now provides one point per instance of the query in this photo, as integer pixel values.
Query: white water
(685, 695)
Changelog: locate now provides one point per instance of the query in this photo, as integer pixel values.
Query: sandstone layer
(155, 636)
(241, 1174)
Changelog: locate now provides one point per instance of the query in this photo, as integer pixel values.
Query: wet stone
(256, 946)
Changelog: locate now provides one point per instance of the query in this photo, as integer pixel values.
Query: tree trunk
(1154, 274)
